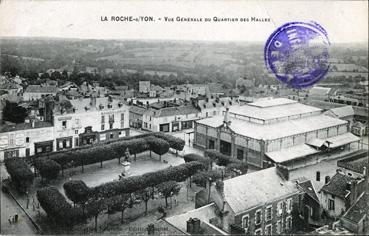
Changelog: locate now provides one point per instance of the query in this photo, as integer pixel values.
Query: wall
(17, 140)
(338, 202)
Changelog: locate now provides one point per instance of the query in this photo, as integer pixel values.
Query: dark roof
(24, 126)
(171, 111)
(41, 89)
(356, 163)
(358, 210)
(308, 188)
(337, 185)
(137, 110)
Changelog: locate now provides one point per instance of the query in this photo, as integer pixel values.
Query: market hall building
(274, 131)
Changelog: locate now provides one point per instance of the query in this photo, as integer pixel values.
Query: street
(9, 208)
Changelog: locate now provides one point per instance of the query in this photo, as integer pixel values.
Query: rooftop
(341, 112)
(275, 130)
(308, 188)
(359, 209)
(41, 89)
(24, 126)
(273, 109)
(241, 193)
(172, 111)
(356, 163)
(291, 153)
(337, 186)
(204, 213)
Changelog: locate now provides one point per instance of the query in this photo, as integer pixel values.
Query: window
(289, 205)
(64, 124)
(331, 204)
(102, 119)
(111, 135)
(268, 230)
(120, 132)
(278, 227)
(76, 132)
(268, 213)
(289, 223)
(258, 217)
(279, 208)
(214, 113)
(111, 126)
(102, 127)
(318, 176)
(245, 221)
(27, 139)
(258, 232)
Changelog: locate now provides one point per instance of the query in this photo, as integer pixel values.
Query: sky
(344, 21)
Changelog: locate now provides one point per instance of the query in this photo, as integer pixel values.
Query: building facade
(92, 120)
(266, 131)
(27, 139)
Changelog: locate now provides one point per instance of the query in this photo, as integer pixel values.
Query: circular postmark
(297, 54)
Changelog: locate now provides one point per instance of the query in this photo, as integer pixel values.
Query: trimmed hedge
(219, 158)
(134, 183)
(157, 145)
(195, 157)
(48, 169)
(174, 142)
(56, 206)
(19, 172)
(77, 191)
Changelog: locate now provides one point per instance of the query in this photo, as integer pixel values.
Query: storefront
(43, 147)
(64, 143)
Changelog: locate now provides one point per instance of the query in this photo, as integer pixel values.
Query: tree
(145, 195)
(48, 169)
(120, 203)
(77, 191)
(14, 113)
(168, 189)
(19, 172)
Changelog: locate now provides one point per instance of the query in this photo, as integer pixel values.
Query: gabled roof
(137, 110)
(308, 188)
(337, 186)
(41, 89)
(243, 192)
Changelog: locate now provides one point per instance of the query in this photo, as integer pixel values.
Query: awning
(291, 153)
(341, 140)
(316, 142)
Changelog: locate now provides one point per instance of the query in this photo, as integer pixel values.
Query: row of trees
(113, 196)
(49, 166)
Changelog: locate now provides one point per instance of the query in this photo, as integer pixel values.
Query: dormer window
(110, 106)
(101, 106)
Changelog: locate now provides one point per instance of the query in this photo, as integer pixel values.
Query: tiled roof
(275, 130)
(137, 110)
(171, 111)
(243, 192)
(337, 186)
(24, 126)
(356, 163)
(359, 209)
(40, 89)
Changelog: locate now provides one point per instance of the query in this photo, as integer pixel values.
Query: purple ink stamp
(297, 53)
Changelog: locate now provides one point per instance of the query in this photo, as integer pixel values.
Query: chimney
(196, 225)
(226, 121)
(189, 228)
(282, 171)
(93, 101)
(327, 179)
(364, 172)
